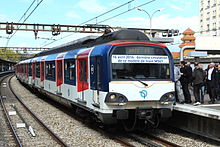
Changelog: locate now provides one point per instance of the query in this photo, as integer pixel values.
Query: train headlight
(171, 95)
(112, 96)
(167, 97)
(115, 99)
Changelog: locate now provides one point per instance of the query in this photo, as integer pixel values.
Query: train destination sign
(140, 59)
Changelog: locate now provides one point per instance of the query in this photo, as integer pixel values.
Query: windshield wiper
(145, 84)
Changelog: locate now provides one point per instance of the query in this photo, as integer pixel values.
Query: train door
(26, 70)
(96, 71)
(42, 73)
(33, 72)
(82, 77)
(59, 75)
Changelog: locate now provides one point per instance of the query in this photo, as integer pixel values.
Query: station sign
(140, 59)
(197, 54)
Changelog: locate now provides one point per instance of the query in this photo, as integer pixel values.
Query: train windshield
(140, 62)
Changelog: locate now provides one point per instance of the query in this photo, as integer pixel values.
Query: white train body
(111, 80)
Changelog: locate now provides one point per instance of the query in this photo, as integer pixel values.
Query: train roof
(90, 41)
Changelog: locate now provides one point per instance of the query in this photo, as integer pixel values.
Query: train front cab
(140, 79)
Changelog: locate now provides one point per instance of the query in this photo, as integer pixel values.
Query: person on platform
(185, 79)
(218, 83)
(198, 77)
(188, 64)
(178, 87)
(211, 82)
(203, 86)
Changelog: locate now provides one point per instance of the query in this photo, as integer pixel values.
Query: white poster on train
(140, 59)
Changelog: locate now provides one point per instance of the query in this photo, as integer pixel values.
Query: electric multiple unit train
(119, 77)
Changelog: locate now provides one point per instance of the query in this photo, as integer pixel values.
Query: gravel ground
(182, 140)
(6, 138)
(42, 139)
(73, 132)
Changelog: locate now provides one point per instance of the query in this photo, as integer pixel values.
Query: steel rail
(163, 141)
(15, 135)
(143, 141)
(57, 138)
(149, 142)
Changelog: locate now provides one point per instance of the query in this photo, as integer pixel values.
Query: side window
(70, 72)
(38, 70)
(50, 70)
(24, 67)
(29, 69)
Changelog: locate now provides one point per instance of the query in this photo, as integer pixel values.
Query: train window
(29, 69)
(38, 69)
(138, 50)
(70, 72)
(50, 70)
(140, 62)
(24, 68)
(140, 71)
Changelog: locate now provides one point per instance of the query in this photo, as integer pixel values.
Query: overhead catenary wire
(126, 11)
(9, 38)
(107, 12)
(103, 20)
(26, 11)
(44, 43)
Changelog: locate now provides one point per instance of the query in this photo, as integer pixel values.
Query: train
(119, 77)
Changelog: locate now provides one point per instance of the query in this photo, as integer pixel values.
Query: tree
(10, 55)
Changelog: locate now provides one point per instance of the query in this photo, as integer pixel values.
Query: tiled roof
(188, 31)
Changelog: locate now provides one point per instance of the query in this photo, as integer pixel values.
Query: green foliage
(10, 55)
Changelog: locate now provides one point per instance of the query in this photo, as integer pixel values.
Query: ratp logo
(143, 93)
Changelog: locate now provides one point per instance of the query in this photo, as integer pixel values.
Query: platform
(202, 119)
(206, 109)
(210, 110)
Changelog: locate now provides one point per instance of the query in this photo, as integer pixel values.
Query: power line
(106, 12)
(25, 18)
(26, 11)
(126, 11)
(105, 19)
(89, 21)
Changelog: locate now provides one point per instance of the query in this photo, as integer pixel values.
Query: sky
(175, 14)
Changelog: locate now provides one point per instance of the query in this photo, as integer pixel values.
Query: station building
(209, 17)
(6, 65)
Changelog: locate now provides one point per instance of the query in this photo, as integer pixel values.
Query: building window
(214, 3)
(208, 27)
(214, 26)
(208, 4)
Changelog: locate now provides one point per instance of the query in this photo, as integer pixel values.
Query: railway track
(130, 141)
(10, 137)
(21, 137)
(121, 138)
(125, 140)
(152, 141)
